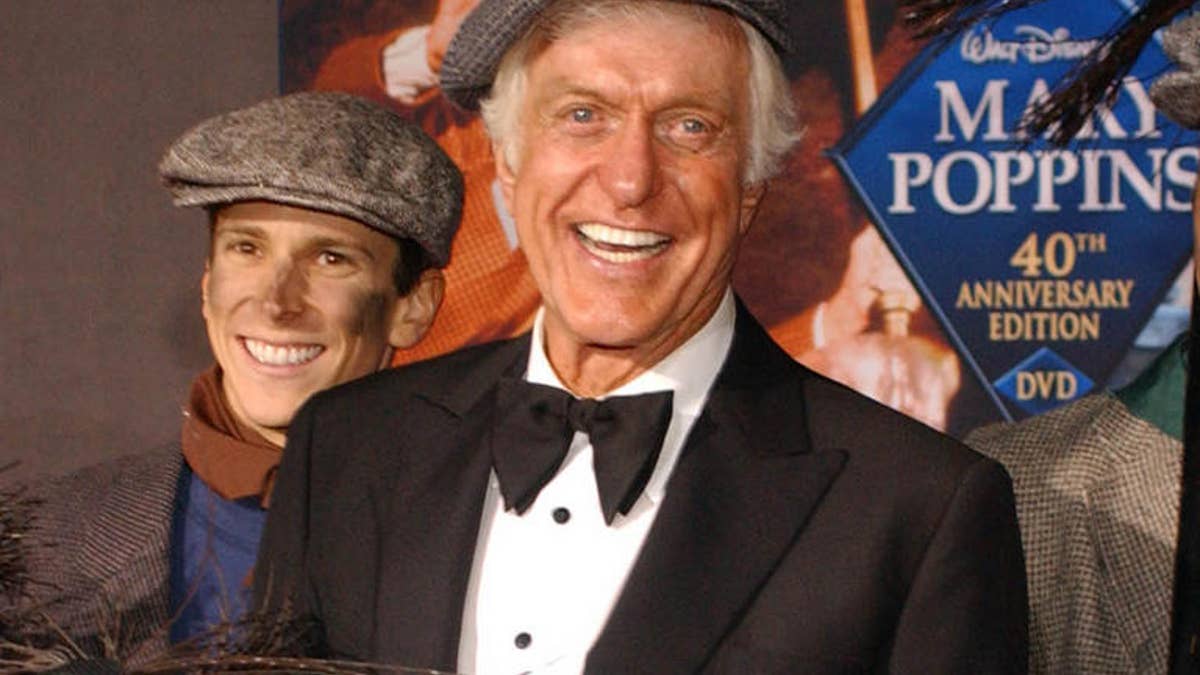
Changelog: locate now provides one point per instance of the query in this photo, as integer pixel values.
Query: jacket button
(523, 640)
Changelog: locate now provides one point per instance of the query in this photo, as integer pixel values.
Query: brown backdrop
(100, 328)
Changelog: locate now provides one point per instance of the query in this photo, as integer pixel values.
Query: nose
(284, 295)
(630, 170)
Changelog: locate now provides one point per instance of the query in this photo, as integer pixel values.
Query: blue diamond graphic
(1042, 382)
(1015, 245)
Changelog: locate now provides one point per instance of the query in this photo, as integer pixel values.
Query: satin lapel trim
(743, 489)
(432, 522)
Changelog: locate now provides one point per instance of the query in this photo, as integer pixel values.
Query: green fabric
(1157, 394)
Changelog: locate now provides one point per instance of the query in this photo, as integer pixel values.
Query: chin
(615, 335)
(279, 422)
(273, 415)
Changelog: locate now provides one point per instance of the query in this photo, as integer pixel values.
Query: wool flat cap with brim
(476, 49)
(325, 151)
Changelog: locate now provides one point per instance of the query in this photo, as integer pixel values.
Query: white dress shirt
(543, 583)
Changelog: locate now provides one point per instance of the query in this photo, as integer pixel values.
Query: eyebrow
(234, 227)
(319, 241)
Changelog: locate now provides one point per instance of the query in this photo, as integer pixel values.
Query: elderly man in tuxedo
(645, 482)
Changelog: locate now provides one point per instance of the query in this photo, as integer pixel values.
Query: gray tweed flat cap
(325, 151)
(493, 26)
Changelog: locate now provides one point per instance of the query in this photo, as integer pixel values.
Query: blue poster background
(1043, 265)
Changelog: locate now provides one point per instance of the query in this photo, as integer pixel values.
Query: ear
(204, 290)
(751, 199)
(504, 174)
(413, 314)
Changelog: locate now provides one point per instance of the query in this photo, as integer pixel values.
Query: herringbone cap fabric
(491, 28)
(326, 151)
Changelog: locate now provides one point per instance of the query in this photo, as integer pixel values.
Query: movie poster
(915, 248)
(1044, 265)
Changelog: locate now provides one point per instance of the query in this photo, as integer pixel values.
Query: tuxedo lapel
(432, 517)
(743, 489)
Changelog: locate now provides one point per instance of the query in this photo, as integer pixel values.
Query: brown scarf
(234, 460)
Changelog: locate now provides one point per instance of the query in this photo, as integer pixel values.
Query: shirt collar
(689, 372)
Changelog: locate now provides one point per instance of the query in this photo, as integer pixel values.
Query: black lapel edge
(747, 483)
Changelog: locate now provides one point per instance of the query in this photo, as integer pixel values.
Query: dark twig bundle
(248, 663)
(1091, 84)
(264, 641)
(1095, 81)
(260, 642)
(269, 639)
(16, 521)
(36, 644)
(30, 641)
(931, 18)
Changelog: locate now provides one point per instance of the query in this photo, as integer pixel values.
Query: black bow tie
(533, 430)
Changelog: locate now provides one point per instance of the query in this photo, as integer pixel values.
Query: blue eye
(582, 115)
(692, 125)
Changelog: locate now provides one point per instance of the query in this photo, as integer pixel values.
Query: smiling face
(296, 301)
(626, 186)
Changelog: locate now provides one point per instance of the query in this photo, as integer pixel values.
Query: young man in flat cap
(330, 220)
(646, 483)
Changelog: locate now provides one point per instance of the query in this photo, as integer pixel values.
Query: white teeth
(618, 256)
(275, 355)
(614, 236)
(600, 241)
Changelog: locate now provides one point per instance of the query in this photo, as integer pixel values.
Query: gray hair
(772, 129)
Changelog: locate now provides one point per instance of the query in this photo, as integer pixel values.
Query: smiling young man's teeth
(275, 355)
(619, 245)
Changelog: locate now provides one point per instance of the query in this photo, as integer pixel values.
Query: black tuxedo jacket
(805, 529)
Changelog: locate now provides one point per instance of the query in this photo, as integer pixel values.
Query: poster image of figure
(820, 267)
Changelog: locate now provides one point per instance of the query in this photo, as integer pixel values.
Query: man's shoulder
(900, 478)
(875, 438)
(146, 473)
(879, 443)
(1080, 442)
(1090, 424)
(840, 416)
(100, 533)
(125, 495)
